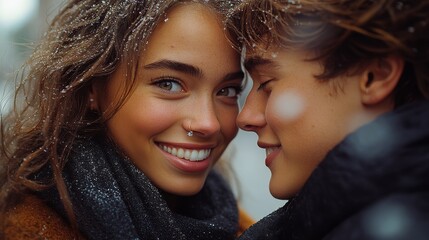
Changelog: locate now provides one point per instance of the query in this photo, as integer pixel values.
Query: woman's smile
(188, 158)
(185, 153)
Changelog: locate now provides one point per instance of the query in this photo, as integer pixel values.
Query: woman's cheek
(155, 114)
(228, 123)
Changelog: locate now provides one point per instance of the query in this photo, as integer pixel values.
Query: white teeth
(268, 151)
(201, 154)
(189, 154)
(180, 152)
(194, 154)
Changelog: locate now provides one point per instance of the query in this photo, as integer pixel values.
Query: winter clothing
(372, 185)
(112, 199)
(33, 219)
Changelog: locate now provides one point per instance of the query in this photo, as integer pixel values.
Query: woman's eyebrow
(234, 76)
(188, 69)
(176, 66)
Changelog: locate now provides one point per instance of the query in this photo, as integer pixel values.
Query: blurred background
(22, 24)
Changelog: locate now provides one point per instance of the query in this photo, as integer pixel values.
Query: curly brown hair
(343, 34)
(86, 42)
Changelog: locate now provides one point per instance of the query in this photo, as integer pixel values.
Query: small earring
(190, 133)
(92, 105)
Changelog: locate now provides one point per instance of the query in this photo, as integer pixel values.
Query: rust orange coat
(33, 219)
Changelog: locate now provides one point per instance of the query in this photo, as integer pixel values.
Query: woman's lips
(187, 159)
(188, 154)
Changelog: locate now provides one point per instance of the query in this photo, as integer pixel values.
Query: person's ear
(380, 78)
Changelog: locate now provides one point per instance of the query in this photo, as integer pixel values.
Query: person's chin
(280, 191)
(186, 189)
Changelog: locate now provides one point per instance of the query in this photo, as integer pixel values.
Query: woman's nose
(204, 120)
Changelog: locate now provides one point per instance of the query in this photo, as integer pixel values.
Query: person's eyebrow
(188, 69)
(176, 66)
(234, 76)
(252, 62)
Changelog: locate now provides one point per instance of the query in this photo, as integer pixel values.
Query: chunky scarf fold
(113, 199)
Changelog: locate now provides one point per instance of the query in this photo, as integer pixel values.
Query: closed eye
(263, 85)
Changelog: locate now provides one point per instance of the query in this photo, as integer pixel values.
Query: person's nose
(252, 116)
(204, 120)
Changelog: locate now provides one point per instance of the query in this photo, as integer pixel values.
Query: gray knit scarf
(112, 199)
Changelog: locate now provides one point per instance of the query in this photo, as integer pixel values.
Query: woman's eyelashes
(168, 84)
(231, 91)
(174, 85)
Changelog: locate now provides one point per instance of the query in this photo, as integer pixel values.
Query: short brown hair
(344, 35)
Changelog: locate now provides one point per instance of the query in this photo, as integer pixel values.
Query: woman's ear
(380, 78)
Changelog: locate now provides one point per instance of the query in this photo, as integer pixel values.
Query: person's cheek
(227, 118)
(287, 106)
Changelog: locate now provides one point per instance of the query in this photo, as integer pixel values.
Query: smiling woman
(134, 103)
(183, 85)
